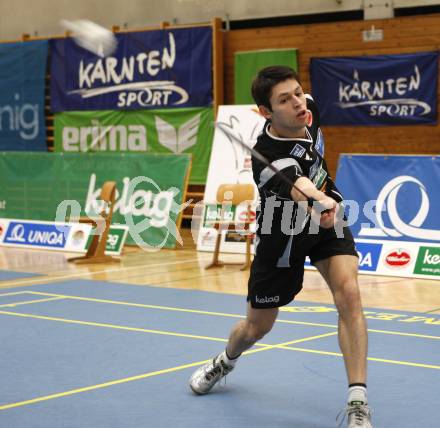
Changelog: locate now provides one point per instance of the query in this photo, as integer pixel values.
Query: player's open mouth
(301, 114)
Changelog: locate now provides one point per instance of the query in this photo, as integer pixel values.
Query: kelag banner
(186, 130)
(150, 189)
(376, 90)
(22, 74)
(394, 203)
(248, 63)
(150, 69)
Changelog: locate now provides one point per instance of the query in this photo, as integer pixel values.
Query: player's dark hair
(266, 79)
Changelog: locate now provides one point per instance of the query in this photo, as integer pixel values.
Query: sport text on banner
(376, 90)
(150, 69)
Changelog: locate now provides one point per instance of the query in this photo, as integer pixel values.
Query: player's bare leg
(340, 273)
(243, 336)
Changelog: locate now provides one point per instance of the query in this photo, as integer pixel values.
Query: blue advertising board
(397, 196)
(392, 205)
(36, 234)
(149, 69)
(376, 90)
(22, 83)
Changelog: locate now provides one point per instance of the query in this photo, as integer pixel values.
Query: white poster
(229, 164)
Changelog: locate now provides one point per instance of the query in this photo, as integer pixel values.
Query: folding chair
(96, 250)
(232, 195)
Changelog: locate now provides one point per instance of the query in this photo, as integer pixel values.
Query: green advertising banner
(185, 130)
(247, 64)
(53, 186)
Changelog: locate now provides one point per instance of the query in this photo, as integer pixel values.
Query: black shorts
(270, 286)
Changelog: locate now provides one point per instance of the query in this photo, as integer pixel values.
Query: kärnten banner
(376, 90)
(150, 190)
(22, 76)
(149, 69)
(186, 130)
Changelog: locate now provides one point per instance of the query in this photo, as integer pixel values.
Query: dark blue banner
(376, 90)
(149, 69)
(392, 197)
(22, 83)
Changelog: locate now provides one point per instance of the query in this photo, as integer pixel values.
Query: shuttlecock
(91, 36)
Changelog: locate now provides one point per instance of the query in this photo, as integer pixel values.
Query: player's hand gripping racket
(310, 201)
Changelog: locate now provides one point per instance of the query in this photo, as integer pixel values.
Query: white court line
(29, 302)
(44, 280)
(14, 293)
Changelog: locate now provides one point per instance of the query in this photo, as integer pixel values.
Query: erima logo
(266, 299)
(181, 139)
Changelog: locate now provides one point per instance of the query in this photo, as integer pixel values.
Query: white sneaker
(358, 415)
(206, 376)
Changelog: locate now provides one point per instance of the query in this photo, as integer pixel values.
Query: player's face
(289, 108)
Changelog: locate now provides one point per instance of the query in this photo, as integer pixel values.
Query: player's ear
(265, 112)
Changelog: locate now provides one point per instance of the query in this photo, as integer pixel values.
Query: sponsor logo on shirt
(298, 151)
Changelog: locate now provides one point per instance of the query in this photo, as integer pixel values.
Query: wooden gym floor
(184, 268)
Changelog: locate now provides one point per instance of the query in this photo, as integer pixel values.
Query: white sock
(229, 361)
(357, 393)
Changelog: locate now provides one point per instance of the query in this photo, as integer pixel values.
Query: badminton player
(292, 141)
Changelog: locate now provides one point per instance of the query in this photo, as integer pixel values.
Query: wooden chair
(96, 250)
(229, 195)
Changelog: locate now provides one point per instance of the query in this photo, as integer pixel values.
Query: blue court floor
(86, 354)
(6, 275)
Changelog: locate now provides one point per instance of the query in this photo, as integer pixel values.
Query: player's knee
(347, 297)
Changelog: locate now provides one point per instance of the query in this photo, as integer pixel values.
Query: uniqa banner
(185, 130)
(149, 69)
(376, 90)
(392, 204)
(53, 186)
(22, 75)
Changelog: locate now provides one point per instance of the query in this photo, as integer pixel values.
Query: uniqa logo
(17, 234)
(398, 258)
(386, 201)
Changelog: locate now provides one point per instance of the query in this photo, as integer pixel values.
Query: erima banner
(149, 69)
(230, 163)
(392, 203)
(185, 130)
(49, 187)
(248, 63)
(376, 90)
(22, 75)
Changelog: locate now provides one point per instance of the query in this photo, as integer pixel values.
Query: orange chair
(229, 195)
(96, 250)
